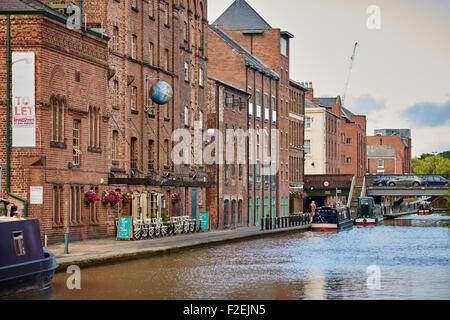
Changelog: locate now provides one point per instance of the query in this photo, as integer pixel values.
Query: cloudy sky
(401, 74)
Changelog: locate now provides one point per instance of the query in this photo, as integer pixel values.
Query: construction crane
(352, 60)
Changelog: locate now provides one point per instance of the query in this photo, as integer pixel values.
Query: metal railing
(272, 223)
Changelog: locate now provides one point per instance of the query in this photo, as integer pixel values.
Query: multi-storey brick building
(389, 152)
(233, 64)
(270, 96)
(296, 145)
(105, 133)
(67, 155)
(227, 199)
(335, 138)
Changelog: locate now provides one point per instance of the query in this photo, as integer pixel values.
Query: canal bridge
(330, 188)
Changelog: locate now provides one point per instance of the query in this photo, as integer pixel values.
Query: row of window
(76, 205)
(254, 208)
(229, 213)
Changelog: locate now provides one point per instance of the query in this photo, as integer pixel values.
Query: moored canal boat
(424, 209)
(331, 219)
(24, 264)
(368, 213)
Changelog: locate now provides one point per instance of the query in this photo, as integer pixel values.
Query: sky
(401, 72)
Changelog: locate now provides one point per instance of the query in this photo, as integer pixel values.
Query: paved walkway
(96, 252)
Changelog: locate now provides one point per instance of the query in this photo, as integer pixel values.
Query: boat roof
(9, 219)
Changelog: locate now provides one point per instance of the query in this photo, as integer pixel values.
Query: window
(94, 127)
(166, 59)
(348, 160)
(75, 205)
(186, 71)
(307, 146)
(19, 243)
(239, 212)
(115, 39)
(380, 163)
(349, 140)
(225, 213)
(134, 3)
(76, 142)
(133, 97)
(58, 106)
(151, 8)
(200, 77)
(166, 154)
(133, 151)
(115, 145)
(185, 31)
(115, 95)
(57, 201)
(284, 46)
(134, 46)
(186, 116)
(151, 54)
(151, 155)
(200, 40)
(307, 122)
(200, 120)
(166, 14)
(148, 100)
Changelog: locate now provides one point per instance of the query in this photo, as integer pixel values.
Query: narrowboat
(331, 219)
(425, 209)
(368, 213)
(24, 264)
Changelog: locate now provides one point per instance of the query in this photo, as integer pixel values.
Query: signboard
(36, 195)
(23, 100)
(125, 228)
(204, 223)
(326, 184)
(338, 191)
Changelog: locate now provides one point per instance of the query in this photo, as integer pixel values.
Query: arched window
(225, 212)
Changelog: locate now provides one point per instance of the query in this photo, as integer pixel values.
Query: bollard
(66, 246)
(262, 224)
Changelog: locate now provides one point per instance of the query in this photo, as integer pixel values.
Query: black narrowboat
(24, 264)
(331, 219)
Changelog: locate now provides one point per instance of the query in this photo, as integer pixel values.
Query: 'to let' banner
(23, 100)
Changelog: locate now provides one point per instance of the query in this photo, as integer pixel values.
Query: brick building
(296, 145)
(270, 98)
(93, 81)
(227, 199)
(335, 138)
(67, 155)
(389, 152)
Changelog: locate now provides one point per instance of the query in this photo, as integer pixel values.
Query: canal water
(411, 255)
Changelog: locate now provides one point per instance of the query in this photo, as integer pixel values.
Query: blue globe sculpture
(161, 92)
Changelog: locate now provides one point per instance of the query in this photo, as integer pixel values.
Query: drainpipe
(8, 117)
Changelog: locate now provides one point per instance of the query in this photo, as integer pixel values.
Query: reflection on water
(413, 257)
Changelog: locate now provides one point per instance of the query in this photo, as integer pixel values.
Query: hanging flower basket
(176, 198)
(91, 197)
(111, 197)
(127, 198)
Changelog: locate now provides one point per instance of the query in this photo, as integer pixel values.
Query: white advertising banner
(23, 100)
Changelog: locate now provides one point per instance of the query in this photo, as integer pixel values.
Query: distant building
(335, 138)
(389, 151)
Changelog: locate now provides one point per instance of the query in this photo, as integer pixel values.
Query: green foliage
(164, 216)
(431, 164)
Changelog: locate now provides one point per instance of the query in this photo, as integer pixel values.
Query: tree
(431, 164)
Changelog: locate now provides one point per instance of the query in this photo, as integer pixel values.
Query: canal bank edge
(97, 259)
